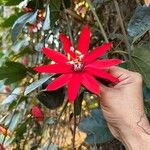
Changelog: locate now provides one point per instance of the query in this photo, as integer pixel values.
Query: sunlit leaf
(21, 22)
(35, 85)
(13, 96)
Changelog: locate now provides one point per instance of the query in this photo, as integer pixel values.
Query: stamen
(68, 56)
(78, 52)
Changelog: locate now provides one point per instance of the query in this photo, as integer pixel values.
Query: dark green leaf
(55, 6)
(78, 104)
(12, 72)
(96, 128)
(33, 3)
(146, 92)
(52, 99)
(21, 129)
(67, 3)
(141, 63)
(147, 107)
(139, 23)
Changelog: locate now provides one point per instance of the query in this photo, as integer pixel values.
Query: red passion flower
(78, 67)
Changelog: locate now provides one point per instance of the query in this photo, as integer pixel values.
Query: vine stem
(74, 130)
(98, 21)
(123, 30)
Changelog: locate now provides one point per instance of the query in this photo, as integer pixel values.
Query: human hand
(123, 109)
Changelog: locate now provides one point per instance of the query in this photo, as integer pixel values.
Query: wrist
(136, 136)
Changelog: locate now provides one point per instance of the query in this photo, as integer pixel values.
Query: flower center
(77, 61)
(78, 66)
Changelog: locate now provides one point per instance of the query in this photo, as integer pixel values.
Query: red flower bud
(37, 113)
(1, 147)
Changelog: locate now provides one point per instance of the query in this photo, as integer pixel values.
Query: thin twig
(9, 93)
(68, 23)
(98, 21)
(123, 30)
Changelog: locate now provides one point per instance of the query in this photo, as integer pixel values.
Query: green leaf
(12, 72)
(139, 23)
(46, 24)
(8, 22)
(96, 128)
(35, 85)
(19, 132)
(141, 62)
(10, 2)
(20, 23)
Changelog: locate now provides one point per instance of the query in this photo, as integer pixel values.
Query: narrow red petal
(66, 44)
(54, 68)
(84, 40)
(73, 87)
(102, 74)
(97, 52)
(59, 82)
(90, 83)
(101, 64)
(54, 55)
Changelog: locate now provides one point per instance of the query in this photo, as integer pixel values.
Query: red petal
(54, 68)
(101, 64)
(54, 55)
(66, 44)
(97, 52)
(84, 40)
(90, 83)
(59, 82)
(102, 74)
(73, 87)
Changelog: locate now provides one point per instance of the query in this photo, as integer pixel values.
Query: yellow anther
(78, 52)
(68, 56)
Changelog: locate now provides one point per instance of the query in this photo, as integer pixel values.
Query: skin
(123, 109)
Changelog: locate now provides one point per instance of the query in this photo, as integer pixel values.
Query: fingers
(120, 73)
